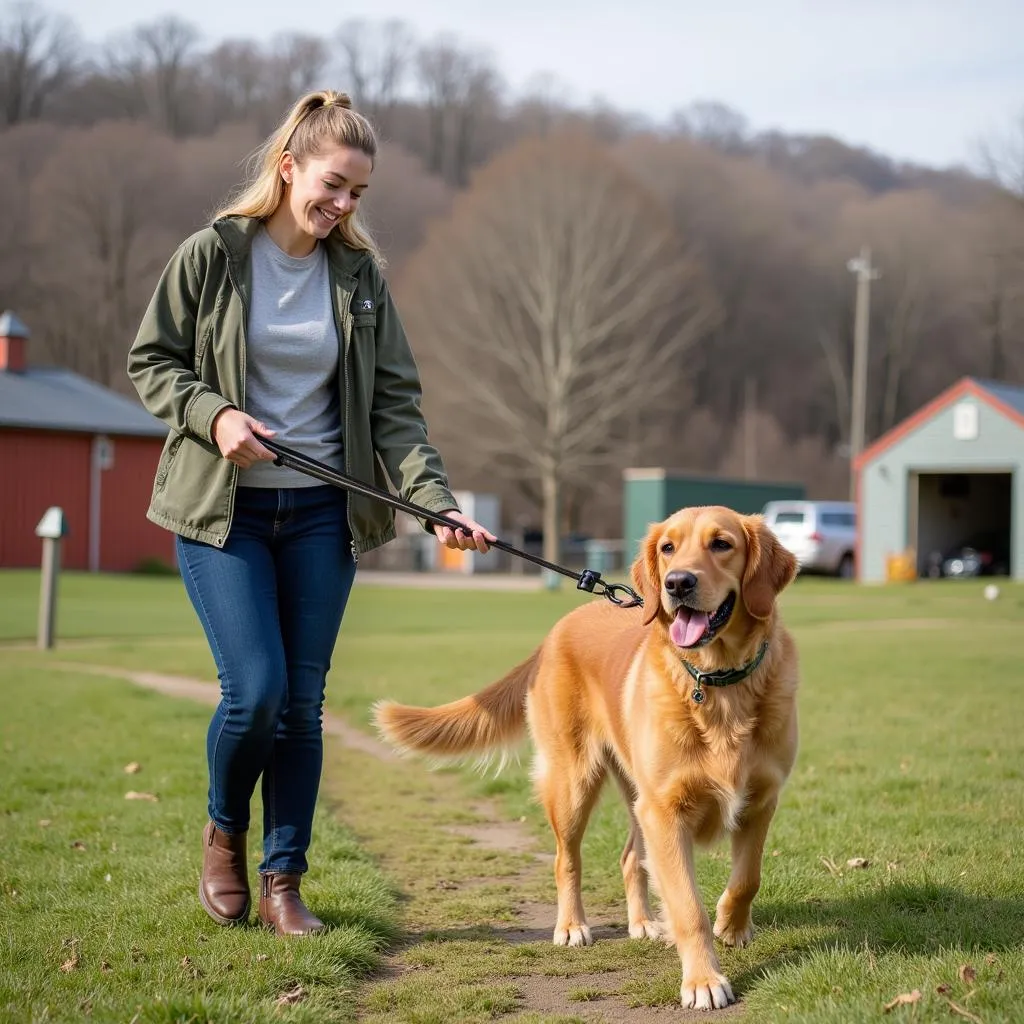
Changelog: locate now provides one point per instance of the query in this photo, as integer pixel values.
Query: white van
(821, 534)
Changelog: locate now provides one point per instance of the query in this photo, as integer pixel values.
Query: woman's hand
(475, 537)
(235, 433)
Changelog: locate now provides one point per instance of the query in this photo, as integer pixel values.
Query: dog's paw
(733, 925)
(710, 993)
(646, 929)
(734, 933)
(574, 935)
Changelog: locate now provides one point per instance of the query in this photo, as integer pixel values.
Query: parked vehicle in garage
(822, 535)
(985, 554)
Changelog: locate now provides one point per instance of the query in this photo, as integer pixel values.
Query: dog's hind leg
(642, 924)
(733, 923)
(568, 792)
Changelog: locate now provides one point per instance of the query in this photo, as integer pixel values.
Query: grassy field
(98, 914)
(910, 758)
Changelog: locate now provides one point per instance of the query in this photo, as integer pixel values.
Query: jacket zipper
(346, 317)
(241, 388)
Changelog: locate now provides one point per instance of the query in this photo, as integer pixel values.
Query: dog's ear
(646, 578)
(770, 568)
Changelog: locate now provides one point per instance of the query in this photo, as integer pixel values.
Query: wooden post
(52, 528)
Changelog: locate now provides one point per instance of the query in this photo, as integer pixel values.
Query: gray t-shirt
(291, 360)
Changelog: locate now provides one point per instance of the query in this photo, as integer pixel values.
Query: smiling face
(701, 564)
(324, 188)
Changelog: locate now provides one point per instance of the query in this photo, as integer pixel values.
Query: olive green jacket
(188, 363)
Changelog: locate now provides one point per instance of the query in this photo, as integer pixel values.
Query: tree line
(585, 290)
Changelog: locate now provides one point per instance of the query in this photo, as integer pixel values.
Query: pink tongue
(688, 627)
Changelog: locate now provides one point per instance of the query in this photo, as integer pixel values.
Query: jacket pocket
(167, 458)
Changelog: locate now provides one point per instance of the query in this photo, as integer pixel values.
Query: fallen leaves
(966, 1014)
(903, 999)
(78, 845)
(190, 968)
(967, 974)
(133, 795)
(853, 863)
(833, 868)
(132, 768)
(292, 996)
(72, 962)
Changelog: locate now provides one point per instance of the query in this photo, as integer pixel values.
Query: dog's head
(701, 564)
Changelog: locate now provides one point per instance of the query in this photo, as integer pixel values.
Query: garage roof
(1011, 395)
(57, 399)
(1007, 399)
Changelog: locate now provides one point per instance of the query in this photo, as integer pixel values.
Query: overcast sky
(921, 80)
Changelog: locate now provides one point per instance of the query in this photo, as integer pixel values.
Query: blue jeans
(271, 602)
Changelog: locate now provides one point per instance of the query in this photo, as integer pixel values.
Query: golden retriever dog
(689, 703)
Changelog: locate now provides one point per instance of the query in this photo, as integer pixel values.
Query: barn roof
(58, 399)
(1007, 399)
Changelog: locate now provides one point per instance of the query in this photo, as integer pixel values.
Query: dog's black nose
(680, 584)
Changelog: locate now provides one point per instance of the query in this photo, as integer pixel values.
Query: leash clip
(618, 593)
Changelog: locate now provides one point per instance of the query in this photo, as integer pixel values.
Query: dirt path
(500, 900)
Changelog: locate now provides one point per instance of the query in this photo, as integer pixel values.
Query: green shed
(654, 494)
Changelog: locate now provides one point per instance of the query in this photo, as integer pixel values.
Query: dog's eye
(667, 548)
(720, 544)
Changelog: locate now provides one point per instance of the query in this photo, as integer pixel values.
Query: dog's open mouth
(694, 628)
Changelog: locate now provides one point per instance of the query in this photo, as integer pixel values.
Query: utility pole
(749, 428)
(861, 266)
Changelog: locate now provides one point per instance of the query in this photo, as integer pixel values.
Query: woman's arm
(161, 359)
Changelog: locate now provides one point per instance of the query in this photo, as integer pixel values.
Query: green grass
(99, 918)
(910, 757)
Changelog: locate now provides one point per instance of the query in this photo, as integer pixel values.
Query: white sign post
(52, 528)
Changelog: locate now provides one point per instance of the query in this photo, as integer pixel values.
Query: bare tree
(297, 63)
(23, 150)
(459, 89)
(152, 67)
(401, 201)
(236, 69)
(39, 56)
(992, 278)
(913, 301)
(742, 217)
(104, 232)
(555, 306)
(376, 57)
(712, 122)
(1002, 157)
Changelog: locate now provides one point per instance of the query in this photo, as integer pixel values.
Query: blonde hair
(318, 117)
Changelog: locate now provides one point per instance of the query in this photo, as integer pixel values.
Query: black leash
(588, 580)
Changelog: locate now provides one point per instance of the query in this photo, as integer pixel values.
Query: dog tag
(698, 695)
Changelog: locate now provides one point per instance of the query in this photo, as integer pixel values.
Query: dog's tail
(491, 719)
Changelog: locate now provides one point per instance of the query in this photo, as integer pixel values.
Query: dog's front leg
(733, 924)
(670, 852)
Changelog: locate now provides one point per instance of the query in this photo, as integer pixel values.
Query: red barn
(67, 441)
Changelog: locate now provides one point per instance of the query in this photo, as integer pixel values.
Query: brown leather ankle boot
(281, 907)
(224, 886)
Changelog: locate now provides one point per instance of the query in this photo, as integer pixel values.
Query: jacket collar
(236, 234)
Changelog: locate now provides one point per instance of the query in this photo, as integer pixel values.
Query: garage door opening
(963, 523)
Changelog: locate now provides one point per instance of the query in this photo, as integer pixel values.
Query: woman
(275, 321)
